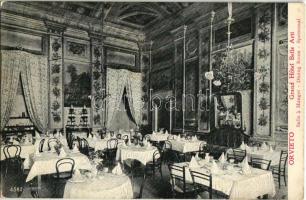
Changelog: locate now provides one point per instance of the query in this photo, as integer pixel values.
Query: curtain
(35, 86)
(10, 71)
(117, 80)
(33, 70)
(134, 93)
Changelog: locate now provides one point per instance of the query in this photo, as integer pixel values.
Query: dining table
(100, 144)
(185, 146)
(44, 163)
(263, 153)
(100, 186)
(231, 181)
(144, 154)
(158, 137)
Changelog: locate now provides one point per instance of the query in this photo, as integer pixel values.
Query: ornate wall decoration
(56, 59)
(98, 89)
(263, 71)
(76, 49)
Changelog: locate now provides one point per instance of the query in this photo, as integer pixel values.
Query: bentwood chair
(52, 142)
(118, 136)
(202, 182)
(12, 157)
(280, 170)
(260, 163)
(179, 187)
(64, 171)
(13, 170)
(41, 145)
(155, 164)
(84, 146)
(125, 138)
(111, 150)
(239, 155)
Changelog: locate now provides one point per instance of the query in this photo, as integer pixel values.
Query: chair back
(202, 180)
(118, 136)
(84, 146)
(283, 159)
(177, 176)
(12, 151)
(41, 145)
(125, 138)
(157, 158)
(239, 155)
(52, 142)
(112, 144)
(260, 163)
(167, 145)
(147, 137)
(65, 165)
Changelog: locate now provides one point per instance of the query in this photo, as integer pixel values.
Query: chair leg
(285, 177)
(279, 180)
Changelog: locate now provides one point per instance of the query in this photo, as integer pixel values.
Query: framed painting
(77, 84)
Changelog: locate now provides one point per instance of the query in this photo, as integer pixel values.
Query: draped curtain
(33, 70)
(117, 80)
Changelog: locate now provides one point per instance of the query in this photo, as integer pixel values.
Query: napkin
(214, 169)
(242, 146)
(75, 148)
(90, 136)
(245, 166)
(37, 135)
(193, 163)
(57, 135)
(154, 133)
(166, 133)
(197, 156)
(222, 158)
(194, 138)
(76, 174)
(15, 142)
(145, 142)
(117, 170)
(270, 148)
(178, 138)
(263, 146)
(207, 157)
(62, 153)
(149, 144)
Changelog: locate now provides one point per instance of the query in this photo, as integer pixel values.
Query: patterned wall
(263, 71)
(56, 81)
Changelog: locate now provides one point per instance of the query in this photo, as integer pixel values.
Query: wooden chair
(84, 146)
(239, 155)
(111, 150)
(280, 170)
(260, 163)
(52, 142)
(125, 138)
(178, 181)
(41, 145)
(118, 136)
(62, 174)
(202, 182)
(155, 164)
(13, 161)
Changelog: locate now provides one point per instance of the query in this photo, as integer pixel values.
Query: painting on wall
(77, 85)
(161, 80)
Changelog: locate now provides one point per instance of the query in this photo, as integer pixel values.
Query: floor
(154, 187)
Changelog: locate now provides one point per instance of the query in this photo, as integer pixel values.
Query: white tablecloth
(100, 144)
(274, 156)
(108, 187)
(234, 184)
(185, 146)
(142, 154)
(26, 150)
(45, 163)
(158, 137)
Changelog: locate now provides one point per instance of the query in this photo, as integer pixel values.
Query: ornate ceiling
(138, 15)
